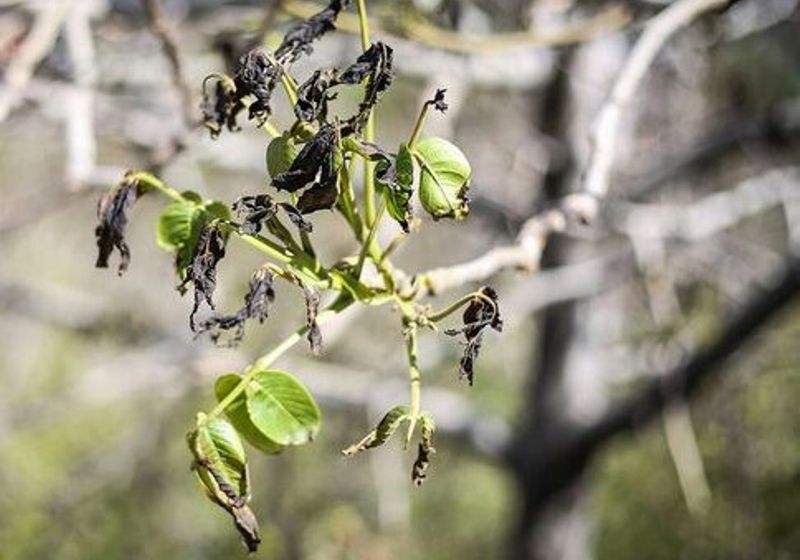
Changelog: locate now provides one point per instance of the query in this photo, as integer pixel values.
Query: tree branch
(607, 127)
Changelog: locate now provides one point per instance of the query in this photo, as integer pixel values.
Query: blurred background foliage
(101, 377)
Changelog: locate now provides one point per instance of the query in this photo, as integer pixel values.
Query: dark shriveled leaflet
(202, 273)
(297, 42)
(257, 304)
(481, 312)
(314, 335)
(112, 213)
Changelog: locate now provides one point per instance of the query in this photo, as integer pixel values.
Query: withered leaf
(221, 106)
(314, 335)
(202, 273)
(253, 211)
(378, 59)
(438, 102)
(297, 41)
(296, 217)
(247, 525)
(315, 154)
(419, 471)
(112, 213)
(313, 96)
(256, 76)
(257, 304)
(482, 312)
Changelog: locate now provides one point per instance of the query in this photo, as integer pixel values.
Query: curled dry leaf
(314, 335)
(202, 273)
(112, 213)
(297, 42)
(257, 304)
(419, 471)
(483, 311)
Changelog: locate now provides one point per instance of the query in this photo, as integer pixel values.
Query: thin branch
(162, 27)
(684, 381)
(609, 20)
(607, 127)
(37, 44)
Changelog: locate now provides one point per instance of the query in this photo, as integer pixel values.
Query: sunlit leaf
(282, 409)
(239, 417)
(444, 178)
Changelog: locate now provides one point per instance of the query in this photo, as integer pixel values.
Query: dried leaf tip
(112, 213)
(438, 102)
(483, 311)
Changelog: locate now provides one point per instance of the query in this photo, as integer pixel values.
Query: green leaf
(220, 460)
(444, 179)
(217, 210)
(281, 152)
(385, 429)
(282, 409)
(239, 417)
(177, 224)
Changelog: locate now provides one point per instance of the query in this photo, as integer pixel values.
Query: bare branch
(37, 44)
(607, 127)
(163, 28)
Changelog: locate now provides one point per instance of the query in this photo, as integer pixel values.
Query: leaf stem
(412, 140)
(413, 377)
(369, 129)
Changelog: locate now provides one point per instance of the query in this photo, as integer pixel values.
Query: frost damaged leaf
(255, 77)
(220, 463)
(315, 163)
(282, 409)
(221, 106)
(202, 273)
(308, 162)
(297, 41)
(385, 429)
(314, 335)
(257, 304)
(296, 217)
(374, 65)
(483, 311)
(419, 470)
(444, 179)
(112, 213)
(253, 211)
(379, 59)
(438, 102)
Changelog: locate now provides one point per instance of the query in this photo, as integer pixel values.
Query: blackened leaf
(112, 213)
(256, 76)
(221, 105)
(483, 311)
(438, 101)
(257, 304)
(313, 96)
(296, 217)
(281, 152)
(202, 273)
(308, 163)
(444, 179)
(385, 429)
(312, 310)
(379, 56)
(297, 41)
(282, 409)
(239, 417)
(253, 211)
(419, 471)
